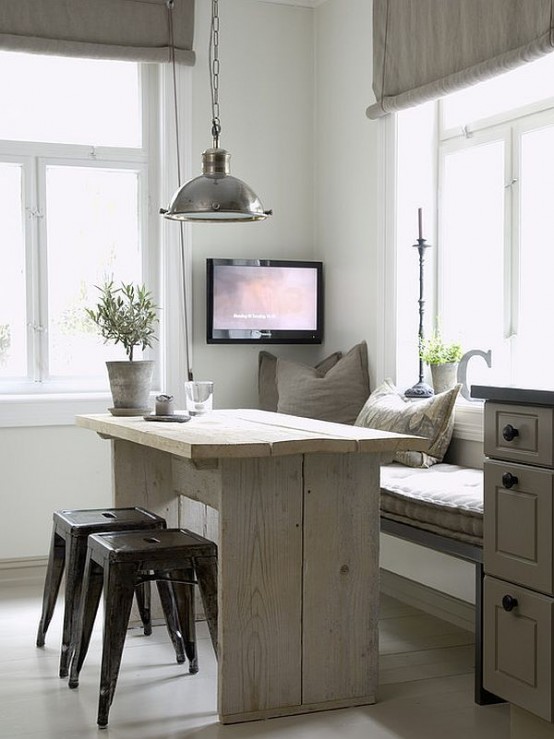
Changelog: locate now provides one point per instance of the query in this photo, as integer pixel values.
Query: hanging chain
(214, 73)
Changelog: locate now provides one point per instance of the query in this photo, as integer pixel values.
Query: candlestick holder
(421, 389)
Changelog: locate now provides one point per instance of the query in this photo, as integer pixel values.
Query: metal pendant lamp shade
(215, 195)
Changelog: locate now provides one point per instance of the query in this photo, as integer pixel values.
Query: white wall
(267, 113)
(45, 469)
(347, 183)
(349, 232)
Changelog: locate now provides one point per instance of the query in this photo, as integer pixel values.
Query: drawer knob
(509, 480)
(509, 432)
(509, 603)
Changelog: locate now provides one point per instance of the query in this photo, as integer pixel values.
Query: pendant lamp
(215, 195)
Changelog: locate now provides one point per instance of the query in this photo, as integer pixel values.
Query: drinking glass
(199, 397)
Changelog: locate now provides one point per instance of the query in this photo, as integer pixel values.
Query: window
(75, 176)
(492, 259)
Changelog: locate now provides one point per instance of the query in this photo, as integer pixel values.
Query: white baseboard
(427, 599)
(25, 569)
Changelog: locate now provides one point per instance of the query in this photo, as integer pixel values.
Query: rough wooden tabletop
(248, 433)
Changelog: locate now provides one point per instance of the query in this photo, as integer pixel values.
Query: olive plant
(126, 315)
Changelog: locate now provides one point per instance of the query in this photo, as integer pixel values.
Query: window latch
(36, 327)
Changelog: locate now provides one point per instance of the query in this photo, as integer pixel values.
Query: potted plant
(443, 359)
(127, 315)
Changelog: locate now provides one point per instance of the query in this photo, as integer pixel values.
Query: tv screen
(258, 301)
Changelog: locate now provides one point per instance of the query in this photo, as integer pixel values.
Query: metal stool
(68, 551)
(176, 559)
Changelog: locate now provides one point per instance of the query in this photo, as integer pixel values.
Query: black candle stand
(421, 389)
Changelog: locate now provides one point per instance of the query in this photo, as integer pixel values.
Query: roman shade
(132, 30)
(424, 49)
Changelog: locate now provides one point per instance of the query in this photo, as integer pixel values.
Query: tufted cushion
(336, 395)
(433, 418)
(447, 499)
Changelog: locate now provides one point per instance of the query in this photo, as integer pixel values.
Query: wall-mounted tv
(264, 301)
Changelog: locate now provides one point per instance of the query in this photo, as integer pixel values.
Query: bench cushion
(446, 499)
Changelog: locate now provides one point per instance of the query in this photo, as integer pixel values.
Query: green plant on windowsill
(125, 315)
(435, 350)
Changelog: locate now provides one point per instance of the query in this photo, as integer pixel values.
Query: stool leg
(169, 605)
(143, 595)
(184, 597)
(54, 572)
(76, 553)
(119, 587)
(90, 598)
(206, 575)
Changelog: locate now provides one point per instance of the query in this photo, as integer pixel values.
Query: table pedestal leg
(299, 585)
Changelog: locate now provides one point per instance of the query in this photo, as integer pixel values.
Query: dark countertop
(513, 395)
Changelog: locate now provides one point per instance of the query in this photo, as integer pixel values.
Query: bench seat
(445, 499)
(441, 508)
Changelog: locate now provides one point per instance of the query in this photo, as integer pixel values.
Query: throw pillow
(386, 409)
(336, 395)
(268, 397)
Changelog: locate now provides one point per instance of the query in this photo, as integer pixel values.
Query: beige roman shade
(424, 49)
(133, 30)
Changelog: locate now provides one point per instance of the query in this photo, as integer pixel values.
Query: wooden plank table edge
(313, 436)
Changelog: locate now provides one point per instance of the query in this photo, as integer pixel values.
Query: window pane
(534, 357)
(415, 165)
(13, 335)
(72, 101)
(92, 235)
(471, 252)
(521, 86)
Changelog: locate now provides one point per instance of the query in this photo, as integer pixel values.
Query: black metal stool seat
(68, 549)
(176, 559)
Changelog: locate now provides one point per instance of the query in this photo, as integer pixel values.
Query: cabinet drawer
(517, 529)
(518, 646)
(519, 433)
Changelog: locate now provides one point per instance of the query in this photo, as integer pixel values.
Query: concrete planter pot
(130, 383)
(444, 376)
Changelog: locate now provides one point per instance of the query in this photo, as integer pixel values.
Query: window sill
(50, 410)
(468, 420)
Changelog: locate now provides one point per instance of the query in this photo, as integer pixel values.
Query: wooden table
(298, 537)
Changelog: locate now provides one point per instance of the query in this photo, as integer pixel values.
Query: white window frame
(161, 259)
(509, 128)
(468, 415)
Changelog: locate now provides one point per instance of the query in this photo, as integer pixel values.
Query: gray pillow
(336, 395)
(433, 418)
(268, 396)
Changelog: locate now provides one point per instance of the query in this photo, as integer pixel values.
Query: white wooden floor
(426, 691)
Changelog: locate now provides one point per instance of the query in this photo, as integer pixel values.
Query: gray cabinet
(518, 645)
(517, 539)
(518, 548)
(519, 433)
